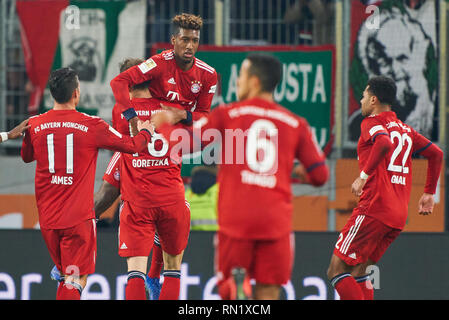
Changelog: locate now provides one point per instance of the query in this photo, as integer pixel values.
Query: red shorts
(73, 250)
(266, 261)
(138, 225)
(362, 238)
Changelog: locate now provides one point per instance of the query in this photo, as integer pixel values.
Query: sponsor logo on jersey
(172, 81)
(173, 95)
(353, 255)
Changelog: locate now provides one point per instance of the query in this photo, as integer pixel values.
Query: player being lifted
(255, 235)
(65, 143)
(189, 84)
(385, 149)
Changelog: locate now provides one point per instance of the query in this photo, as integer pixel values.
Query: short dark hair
(267, 68)
(131, 62)
(62, 83)
(186, 21)
(384, 88)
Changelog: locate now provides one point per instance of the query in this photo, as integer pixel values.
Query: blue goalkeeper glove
(56, 275)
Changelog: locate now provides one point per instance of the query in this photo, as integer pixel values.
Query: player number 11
(51, 153)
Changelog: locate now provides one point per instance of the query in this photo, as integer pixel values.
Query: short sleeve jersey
(387, 191)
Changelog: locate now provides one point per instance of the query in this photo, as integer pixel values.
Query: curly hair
(186, 21)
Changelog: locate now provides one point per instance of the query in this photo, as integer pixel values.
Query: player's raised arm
(109, 138)
(120, 84)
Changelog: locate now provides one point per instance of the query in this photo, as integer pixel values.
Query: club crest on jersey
(196, 86)
(117, 175)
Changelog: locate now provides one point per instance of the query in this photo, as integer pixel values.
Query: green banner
(306, 87)
(94, 37)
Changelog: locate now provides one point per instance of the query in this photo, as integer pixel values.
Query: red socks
(347, 287)
(171, 286)
(366, 286)
(135, 288)
(157, 262)
(227, 289)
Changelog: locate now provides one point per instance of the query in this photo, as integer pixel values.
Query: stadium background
(322, 46)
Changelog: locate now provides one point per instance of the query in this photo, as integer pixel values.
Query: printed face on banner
(404, 49)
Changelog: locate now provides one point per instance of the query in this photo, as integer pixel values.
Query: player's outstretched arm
(104, 198)
(108, 138)
(16, 132)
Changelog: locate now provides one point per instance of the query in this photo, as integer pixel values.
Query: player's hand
(301, 172)
(177, 114)
(19, 130)
(145, 125)
(160, 118)
(357, 186)
(426, 203)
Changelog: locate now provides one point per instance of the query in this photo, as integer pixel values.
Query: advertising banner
(402, 273)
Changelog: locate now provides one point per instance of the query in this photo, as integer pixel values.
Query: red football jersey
(65, 145)
(386, 193)
(259, 142)
(193, 89)
(151, 178)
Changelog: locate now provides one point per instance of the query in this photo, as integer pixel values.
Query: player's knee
(330, 272)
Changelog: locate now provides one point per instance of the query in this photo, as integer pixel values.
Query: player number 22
(402, 139)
